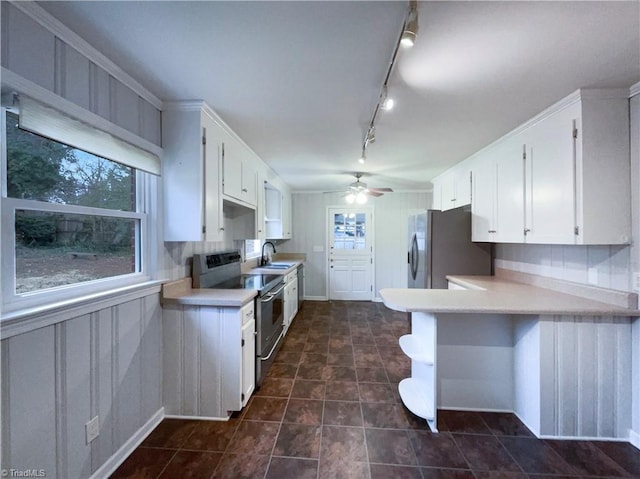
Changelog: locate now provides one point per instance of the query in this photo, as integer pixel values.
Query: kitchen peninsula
(557, 354)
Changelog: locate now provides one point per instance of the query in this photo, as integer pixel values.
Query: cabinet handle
(244, 190)
(527, 230)
(453, 199)
(221, 229)
(492, 231)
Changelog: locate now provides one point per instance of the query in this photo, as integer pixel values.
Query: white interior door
(350, 253)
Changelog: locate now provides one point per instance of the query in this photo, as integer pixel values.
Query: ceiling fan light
(350, 198)
(387, 104)
(361, 160)
(361, 198)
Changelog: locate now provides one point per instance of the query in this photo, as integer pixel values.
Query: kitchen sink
(277, 266)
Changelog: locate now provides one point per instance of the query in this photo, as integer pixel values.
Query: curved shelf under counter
(411, 346)
(415, 396)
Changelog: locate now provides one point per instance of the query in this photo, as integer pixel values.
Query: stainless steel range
(222, 271)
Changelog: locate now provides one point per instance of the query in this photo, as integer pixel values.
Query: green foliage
(36, 229)
(44, 170)
(33, 164)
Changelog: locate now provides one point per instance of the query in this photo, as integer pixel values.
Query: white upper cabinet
(286, 215)
(578, 172)
(277, 212)
(550, 178)
(498, 193)
(562, 178)
(452, 188)
(239, 171)
(191, 173)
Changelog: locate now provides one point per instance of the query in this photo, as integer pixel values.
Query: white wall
(391, 213)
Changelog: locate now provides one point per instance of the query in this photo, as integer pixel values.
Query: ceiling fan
(358, 191)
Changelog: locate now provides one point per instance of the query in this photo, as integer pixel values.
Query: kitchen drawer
(248, 312)
(291, 276)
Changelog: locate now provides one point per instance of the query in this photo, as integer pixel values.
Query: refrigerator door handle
(414, 256)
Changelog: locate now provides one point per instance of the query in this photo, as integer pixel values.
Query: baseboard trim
(584, 438)
(111, 464)
(316, 298)
(634, 438)
(197, 418)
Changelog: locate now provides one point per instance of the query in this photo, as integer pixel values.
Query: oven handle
(272, 295)
(274, 347)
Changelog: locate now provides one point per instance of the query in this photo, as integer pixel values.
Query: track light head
(410, 32)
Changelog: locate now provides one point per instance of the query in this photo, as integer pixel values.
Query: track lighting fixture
(386, 103)
(410, 31)
(407, 38)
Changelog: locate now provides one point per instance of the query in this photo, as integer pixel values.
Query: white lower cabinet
(209, 359)
(248, 355)
(290, 298)
(418, 393)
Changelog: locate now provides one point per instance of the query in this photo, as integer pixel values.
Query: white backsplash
(604, 266)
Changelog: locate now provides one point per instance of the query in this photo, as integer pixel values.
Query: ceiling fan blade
(384, 190)
(373, 193)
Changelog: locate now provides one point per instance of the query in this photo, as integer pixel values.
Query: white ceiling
(298, 81)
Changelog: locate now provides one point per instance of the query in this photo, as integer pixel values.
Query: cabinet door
(482, 207)
(248, 360)
(448, 190)
(294, 299)
(462, 186)
(288, 304)
(249, 182)
(261, 232)
(509, 190)
(287, 226)
(212, 150)
(436, 203)
(550, 188)
(232, 167)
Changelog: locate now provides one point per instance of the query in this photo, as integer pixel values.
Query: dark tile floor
(329, 409)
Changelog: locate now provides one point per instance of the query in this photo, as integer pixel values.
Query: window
(71, 220)
(252, 248)
(349, 230)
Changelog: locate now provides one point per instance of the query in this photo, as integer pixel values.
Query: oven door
(271, 328)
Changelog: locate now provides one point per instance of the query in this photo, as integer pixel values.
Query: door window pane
(349, 231)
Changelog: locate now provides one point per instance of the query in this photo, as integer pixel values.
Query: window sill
(24, 320)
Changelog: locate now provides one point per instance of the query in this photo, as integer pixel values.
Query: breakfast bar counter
(557, 354)
(493, 294)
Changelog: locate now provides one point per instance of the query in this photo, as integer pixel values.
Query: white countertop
(180, 292)
(491, 294)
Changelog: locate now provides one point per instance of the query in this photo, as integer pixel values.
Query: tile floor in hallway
(329, 409)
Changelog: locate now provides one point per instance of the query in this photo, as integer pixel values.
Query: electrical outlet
(92, 428)
(636, 281)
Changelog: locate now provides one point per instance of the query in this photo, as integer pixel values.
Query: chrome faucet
(263, 260)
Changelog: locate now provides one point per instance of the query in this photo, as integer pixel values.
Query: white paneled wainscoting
(104, 363)
(573, 375)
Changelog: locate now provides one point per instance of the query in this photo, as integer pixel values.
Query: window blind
(50, 123)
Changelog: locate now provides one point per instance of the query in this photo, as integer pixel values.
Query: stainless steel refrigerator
(440, 244)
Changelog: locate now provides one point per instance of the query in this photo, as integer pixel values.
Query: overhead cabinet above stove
(210, 179)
